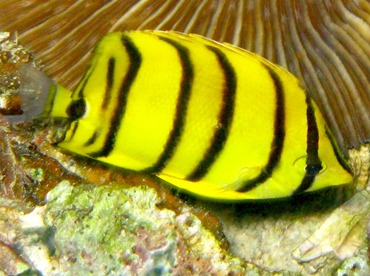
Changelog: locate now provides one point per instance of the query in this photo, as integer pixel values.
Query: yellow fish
(210, 118)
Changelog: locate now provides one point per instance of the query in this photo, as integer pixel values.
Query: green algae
(100, 226)
(117, 230)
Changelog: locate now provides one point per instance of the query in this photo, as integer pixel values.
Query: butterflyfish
(210, 118)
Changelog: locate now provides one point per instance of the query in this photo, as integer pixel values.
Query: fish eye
(76, 109)
(313, 169)
(302, 168)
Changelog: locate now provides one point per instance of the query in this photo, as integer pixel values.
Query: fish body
(212, 119)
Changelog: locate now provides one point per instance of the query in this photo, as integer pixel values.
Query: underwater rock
(11, 261)
(112, 230)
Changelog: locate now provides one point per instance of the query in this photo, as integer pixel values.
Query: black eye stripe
(76, 109)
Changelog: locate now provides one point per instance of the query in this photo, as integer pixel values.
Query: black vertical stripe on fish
(341, 156)
(313, 162)
(110, 80)
(107, 96)
(276, 147)
(92, 139)
(181, 108)
(224, 118)
(118, 112)
(73, 131)
(85, 80)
